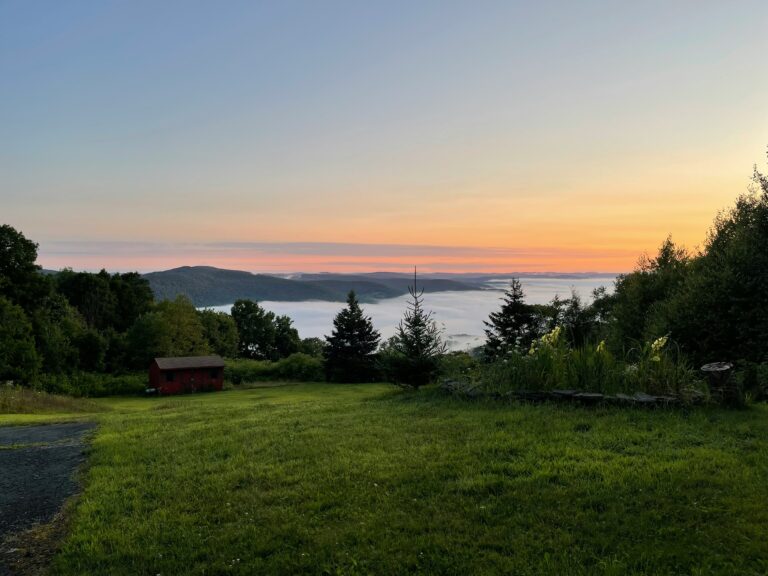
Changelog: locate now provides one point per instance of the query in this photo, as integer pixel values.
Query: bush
(246, 370)
(752, 378)
(88, 384)
(300, 368)
(21, 400)
(658, 367)
(654, 368)
(296, 368)
(457, 364)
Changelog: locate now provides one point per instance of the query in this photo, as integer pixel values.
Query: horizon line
(283, 258)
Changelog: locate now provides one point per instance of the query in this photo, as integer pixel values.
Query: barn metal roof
(182, 362)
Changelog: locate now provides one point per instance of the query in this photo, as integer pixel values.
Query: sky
(355, 136)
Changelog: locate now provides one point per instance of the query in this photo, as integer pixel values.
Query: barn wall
(190, 380)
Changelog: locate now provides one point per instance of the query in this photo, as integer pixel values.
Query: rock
(589, 397)
(450, 385)
(644, 399)
(530, 395)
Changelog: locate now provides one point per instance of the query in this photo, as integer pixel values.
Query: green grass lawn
(334, 479)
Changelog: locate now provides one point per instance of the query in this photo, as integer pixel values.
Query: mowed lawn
(365, 479)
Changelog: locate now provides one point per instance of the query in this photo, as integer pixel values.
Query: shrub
(301, 368)
(296, 367)
(654, 368)
(457, 364)
(658, 367)
(21, 400)
(88, 384)
(752, 378)
(245, 370)
(595, 369)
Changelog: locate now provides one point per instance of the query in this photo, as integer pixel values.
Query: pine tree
(512, 327)
(417, 345)
(350, 353)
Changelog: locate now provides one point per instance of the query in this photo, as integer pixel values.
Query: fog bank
(459, 314)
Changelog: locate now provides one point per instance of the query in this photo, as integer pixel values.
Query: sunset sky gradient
(303, 136)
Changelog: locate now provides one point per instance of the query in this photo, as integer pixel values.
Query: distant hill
(209, 286)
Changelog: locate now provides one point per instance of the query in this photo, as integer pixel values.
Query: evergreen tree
(414, 352)
(349, 354)
(511, 328)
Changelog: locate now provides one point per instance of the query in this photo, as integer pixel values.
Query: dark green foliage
(20, 278)
(256, 330)
(552, 363)
(511, 328)
(92, 350)
(300, 367)
(349, 354)
(295, 368)
(715, 304)
(148, 338)
(262, 334)
(220, 331)
(116, 359)
(57, 327)
(173, 328)
(412, 356)
(106, 301)
(312, 347)
(639, 302)
(580, 322)
(183, 327)
(91, 294)
(720, 311)
(287, 339)
(457, 364)
(19, 361)
(88, 384)
(134, 298)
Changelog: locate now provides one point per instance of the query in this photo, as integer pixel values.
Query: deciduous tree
(256, 330)
(19, 361)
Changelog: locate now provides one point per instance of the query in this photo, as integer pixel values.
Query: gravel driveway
(38, 467)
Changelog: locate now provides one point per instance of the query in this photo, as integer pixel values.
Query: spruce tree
(512, 327)
(417, 345)
(349, 354)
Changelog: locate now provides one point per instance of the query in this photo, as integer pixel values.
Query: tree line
(711, 303)
(68, 322)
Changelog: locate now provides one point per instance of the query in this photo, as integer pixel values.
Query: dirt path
(38, 466)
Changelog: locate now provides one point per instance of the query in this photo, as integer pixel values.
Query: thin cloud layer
(288, 257)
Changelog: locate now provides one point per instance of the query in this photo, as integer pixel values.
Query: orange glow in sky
(529, 136)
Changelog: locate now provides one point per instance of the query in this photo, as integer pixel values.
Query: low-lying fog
(459, 314)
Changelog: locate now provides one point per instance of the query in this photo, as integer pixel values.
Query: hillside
(209, 286)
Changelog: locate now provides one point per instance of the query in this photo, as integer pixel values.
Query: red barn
(186, 374)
